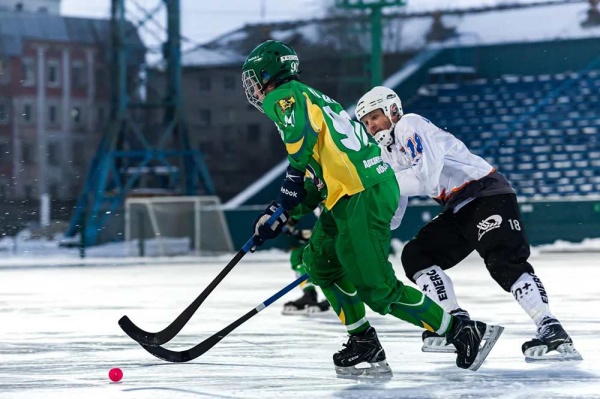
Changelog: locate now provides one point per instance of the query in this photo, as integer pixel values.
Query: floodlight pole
(376, 7)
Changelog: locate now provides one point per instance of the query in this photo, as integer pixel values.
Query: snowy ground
(59, 336)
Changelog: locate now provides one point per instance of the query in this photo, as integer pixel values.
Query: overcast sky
(203, 20)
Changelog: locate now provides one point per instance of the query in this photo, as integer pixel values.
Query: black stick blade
(199, 349)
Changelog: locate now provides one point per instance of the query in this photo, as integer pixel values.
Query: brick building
(54, 97)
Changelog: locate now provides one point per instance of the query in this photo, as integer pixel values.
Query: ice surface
(59, 336)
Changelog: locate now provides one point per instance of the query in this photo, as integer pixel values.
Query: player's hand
(292, 191)
(264, 231)
(290, 228)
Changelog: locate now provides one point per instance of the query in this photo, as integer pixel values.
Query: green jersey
(322, 139)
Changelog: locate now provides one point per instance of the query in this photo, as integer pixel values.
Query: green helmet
(270, 62)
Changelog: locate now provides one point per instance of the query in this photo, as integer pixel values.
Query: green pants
(347, 256)
(298, 267)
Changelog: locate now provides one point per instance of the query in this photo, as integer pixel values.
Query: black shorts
(492, 226)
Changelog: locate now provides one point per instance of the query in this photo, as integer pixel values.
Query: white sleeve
(419, 140)
(409, 183)
(397, 219)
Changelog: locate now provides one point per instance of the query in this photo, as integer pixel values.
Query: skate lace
(547, 330)
(348, 345)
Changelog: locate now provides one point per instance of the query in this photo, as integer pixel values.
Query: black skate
(550, 337)
(363, 348)
(433, 342)
(467, 337)
(324, 305)
(304, 305)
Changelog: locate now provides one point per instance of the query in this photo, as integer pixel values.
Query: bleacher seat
(543, 130)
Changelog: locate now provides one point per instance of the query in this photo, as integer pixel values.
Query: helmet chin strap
(385, 137)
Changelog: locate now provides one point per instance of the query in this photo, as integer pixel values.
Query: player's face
(375, 121)
(257, 93)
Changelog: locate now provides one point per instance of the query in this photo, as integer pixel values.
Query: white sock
(529, 291)
(437, 285)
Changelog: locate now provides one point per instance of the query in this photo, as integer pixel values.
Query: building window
(205, 117)
(3, 70)
(76, 115)
(27, 112)
(26, 153)
(53, 75)
(3, 111)
(52, 114)
(253, 132)
(204, 83)
(28, 78)
(78, 155)
(78, 76)
(229, 82)
(53, 154)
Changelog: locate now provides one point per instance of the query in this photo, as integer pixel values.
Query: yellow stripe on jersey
(339, 173)
(293, 148)
(342, 317)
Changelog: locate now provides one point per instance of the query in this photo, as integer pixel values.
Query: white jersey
(430, 161)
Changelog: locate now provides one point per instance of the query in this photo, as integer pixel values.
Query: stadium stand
(541, 131)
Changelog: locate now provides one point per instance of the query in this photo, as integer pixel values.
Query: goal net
(165, 226)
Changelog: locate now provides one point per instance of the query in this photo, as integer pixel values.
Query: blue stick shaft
(282, 292)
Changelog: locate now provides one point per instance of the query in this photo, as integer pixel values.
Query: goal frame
(195, 199)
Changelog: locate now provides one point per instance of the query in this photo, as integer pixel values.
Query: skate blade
(491, 335)
(293, 311)
(564, 353)
(376, 370)
(440, 345)
(437, 345)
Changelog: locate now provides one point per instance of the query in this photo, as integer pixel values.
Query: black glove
(292, 191)
(262, 230)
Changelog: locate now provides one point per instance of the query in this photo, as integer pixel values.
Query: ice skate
(473, 341)
(361, 350)
(552, 343)
(435, 343)
(306, 304)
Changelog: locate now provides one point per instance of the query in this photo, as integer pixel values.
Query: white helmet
(387, 100)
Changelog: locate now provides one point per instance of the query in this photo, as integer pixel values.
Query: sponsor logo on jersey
(491, 223)
(289, 120)
(382, 168)
(286, 103)
(372, 162)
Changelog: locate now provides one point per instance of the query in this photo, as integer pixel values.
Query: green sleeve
(288, 109)
(310, 203)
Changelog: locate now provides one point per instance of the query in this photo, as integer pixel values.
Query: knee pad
(414, 259)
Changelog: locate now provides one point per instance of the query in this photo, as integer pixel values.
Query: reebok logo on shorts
(491, 223)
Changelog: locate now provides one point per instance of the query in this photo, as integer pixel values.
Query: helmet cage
(253, 89)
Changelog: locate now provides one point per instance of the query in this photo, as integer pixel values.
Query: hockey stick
(204, 346)
(169, 332)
